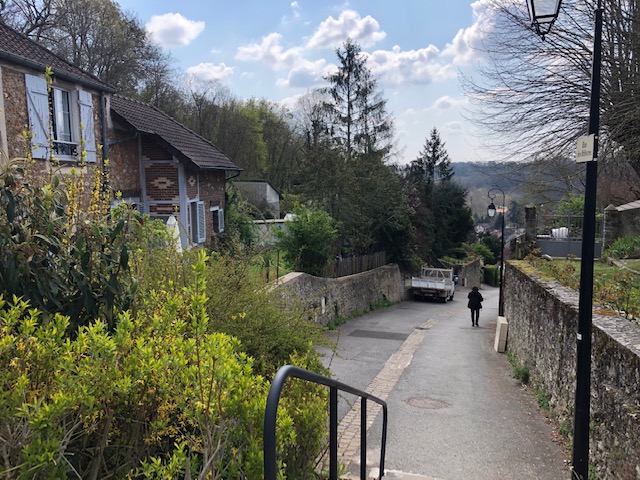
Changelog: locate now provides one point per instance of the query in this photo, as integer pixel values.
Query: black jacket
(475, 300)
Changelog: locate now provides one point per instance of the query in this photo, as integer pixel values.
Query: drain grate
(427, 403)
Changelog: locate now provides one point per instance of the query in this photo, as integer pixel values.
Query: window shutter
(88, 131)
(38, 109)
(202, 230)
(221, 220)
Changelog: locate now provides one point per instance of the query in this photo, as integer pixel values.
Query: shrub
(624, 247)
(307, 242)
(160, 396)
(491, 275)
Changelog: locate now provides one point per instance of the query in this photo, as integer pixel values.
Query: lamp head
(542, 14)
(491, 210)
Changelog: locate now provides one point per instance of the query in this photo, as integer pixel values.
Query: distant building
(262, 195)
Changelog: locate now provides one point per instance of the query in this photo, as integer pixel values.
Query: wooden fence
(352, 264)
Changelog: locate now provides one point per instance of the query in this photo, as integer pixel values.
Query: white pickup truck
(438, 283)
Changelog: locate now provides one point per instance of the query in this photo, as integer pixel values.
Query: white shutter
(202, 230)
(88, 131)
(221, 220)
(38, 109)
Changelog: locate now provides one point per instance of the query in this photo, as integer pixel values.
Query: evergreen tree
(359, 122)
(433, 162)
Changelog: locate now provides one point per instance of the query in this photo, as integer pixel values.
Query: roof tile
(185, 143)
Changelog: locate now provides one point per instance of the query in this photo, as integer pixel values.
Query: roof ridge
(162, 112)
(44, 49)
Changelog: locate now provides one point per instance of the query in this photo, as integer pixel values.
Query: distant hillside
(522, 182)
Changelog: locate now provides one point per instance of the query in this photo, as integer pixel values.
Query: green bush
(160, 396)
(307, 242)
(143, 381)
(491, 275)
(624, 247)
(61, 256)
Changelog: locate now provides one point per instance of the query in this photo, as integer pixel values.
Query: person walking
(475, 304)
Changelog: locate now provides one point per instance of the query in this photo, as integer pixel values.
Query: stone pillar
(610, 226)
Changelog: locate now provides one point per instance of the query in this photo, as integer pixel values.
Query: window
(63, 144)
(217, 219)
(61, 121)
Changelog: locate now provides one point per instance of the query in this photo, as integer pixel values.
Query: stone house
(154, 161)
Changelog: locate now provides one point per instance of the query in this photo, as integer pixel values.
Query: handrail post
(333, 433)
(363, 438)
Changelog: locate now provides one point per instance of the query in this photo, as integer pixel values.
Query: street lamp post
(491, 211)
(580, 458)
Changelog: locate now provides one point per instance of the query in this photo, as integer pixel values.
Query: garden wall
(543, 317)
(330, 298)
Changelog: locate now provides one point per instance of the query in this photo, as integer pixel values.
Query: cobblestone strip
(381, 387)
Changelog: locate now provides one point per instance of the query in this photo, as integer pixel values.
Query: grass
(520, 370)
(614, 288)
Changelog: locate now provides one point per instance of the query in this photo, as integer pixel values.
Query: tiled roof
(17, 48)
(182, 142)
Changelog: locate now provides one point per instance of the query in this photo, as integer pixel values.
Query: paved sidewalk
(455, 411)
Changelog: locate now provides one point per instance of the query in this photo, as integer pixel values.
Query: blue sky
(280, 49)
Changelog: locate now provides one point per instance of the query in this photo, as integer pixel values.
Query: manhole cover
(427, 403)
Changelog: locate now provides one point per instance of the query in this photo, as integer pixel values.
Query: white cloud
(305, 74)
(172, 30)
(464, 47)
(333, 32)
(270, 52)
(210, 72)
(447, 102)
(398, 67)
(452, 128)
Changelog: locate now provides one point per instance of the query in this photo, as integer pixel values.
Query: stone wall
(543, 317)
(469, 274)
(330, 298)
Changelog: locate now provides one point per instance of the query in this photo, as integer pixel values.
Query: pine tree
(433, 162)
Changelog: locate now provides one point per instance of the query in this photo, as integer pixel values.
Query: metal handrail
(270, 413)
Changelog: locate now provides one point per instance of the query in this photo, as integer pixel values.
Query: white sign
(584, 150)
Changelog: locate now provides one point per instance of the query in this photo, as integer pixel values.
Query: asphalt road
(455, 410)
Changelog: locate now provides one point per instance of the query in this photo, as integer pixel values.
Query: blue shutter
(38, 109)
(88, 131)
(202, 229)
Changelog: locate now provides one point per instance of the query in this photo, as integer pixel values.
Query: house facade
(67, 119)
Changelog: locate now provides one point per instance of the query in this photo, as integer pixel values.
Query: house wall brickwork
(152, 151)
(16, 122)
(330, 298)
(162, 181)
(543, 317)
(124, 166)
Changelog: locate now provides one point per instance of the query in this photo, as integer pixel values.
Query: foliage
(307, 243)
(482, 251)
(613, 288)
(624, 247)
(494, 244)
(491, 275)
(520, 370)
(161, 396)
(433, 162)
(58, 257)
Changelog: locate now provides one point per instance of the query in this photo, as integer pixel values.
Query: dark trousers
(475, 315)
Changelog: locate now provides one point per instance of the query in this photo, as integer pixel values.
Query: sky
(281, 49)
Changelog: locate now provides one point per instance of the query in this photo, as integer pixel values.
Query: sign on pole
(584, 150)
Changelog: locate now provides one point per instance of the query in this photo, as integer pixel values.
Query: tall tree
(95, 35)
(433, 162)
(359, 121)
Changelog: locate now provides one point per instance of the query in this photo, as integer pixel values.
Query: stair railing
(270, 463)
